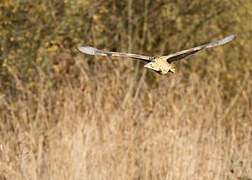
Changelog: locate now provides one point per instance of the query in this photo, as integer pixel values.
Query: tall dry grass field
(113, 124)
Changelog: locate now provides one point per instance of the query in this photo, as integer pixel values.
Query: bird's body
(160, 64)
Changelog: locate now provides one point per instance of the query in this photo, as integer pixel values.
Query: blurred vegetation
(46, 33)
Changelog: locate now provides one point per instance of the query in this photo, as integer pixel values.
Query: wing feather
(182, 54)
(93, 51)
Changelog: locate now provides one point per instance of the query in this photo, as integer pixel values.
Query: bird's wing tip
(232, 36)
(229, 38)
(222, 41)
(87, 50)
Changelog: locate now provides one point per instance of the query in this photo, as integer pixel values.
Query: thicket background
(65, 115)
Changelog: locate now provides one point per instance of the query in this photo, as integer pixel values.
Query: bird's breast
(161, 63)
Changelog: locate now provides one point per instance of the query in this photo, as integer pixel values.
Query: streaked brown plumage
(160, 64)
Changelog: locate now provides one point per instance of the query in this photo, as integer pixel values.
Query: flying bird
(160, 64)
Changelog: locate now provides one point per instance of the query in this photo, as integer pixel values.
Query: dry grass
(111, 125)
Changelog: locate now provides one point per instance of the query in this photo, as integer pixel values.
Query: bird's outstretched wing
(93, 51)
(182, 54)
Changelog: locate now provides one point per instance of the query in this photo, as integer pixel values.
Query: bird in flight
(160, 64)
